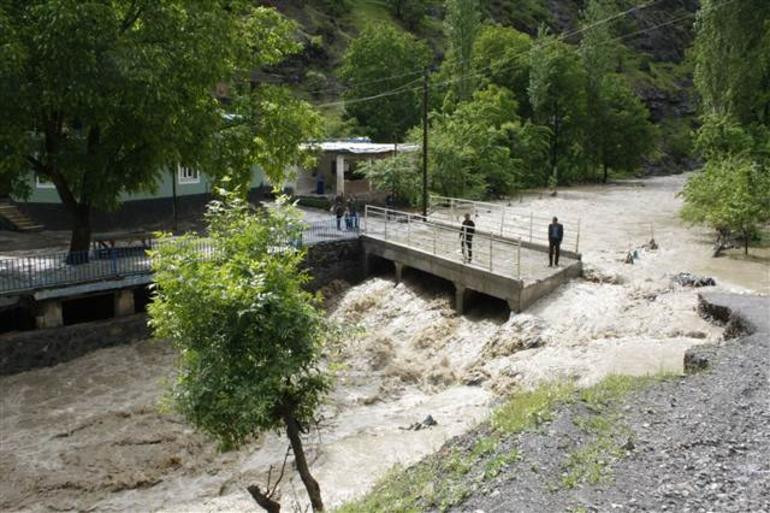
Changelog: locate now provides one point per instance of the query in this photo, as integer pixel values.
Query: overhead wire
(480, 71)
(402, 89)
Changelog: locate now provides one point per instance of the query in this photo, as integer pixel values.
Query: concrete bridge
(503, 267)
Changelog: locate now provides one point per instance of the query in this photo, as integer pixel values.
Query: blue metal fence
(35, 272)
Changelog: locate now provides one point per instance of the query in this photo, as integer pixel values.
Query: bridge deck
(499, 256)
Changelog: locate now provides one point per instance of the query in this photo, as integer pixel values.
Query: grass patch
(530, 409)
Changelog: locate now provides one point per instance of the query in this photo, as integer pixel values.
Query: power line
(367, 82)
(401, 89)
(562, 37)
(480, 72)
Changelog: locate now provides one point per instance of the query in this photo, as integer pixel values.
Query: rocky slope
(695, 443)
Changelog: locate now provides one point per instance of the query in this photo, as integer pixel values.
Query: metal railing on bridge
(490, 251)
(35, 272)
(505, 220)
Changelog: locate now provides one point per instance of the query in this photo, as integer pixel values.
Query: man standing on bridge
(466, 238)
(555, 235)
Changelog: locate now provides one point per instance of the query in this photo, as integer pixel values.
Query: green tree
(732, 75)
(462, 25)
(378, 61)
(411, 12)
(250, 338)
(557, 92)
(622, 134)
(400, 174)
(732, 59)
(731, 194)
(471, 148)
(100, 97)
(598, 51)
(501, 57)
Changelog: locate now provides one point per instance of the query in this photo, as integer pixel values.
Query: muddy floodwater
(93, 435)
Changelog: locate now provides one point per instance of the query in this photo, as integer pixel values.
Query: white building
(335, 170)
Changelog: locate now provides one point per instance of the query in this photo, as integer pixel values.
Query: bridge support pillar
(49, 315)
(124, 302)
(459, 298)
(399, 271)
(514, 305)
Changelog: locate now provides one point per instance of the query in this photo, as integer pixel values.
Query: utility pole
(425, 144)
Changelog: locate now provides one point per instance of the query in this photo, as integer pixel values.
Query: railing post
(408, 230)
(387, 218)
(531, 221)
(366, 218)
(31, 277)
(491, 244)
(518, 259)
(577, 239)
(434, 240)
(114, 261)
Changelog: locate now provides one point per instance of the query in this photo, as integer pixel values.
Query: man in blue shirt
(555, 235)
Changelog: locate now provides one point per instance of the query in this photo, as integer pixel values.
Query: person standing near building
(555, 236)
(466, 238)
(353, 209)
(339, 211)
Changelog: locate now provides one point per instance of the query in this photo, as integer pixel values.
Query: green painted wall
(164, 189)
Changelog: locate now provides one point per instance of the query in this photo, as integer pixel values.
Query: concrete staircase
(16, 219)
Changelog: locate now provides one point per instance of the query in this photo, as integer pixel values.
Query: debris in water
(595, 275)
(631, 256)
(693, 280)
(429, 421)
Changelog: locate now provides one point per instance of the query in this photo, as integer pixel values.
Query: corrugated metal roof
(359, 147)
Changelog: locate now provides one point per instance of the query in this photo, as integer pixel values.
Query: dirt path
(89, 434)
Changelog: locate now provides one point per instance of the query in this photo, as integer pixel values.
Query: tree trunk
(80, 239)
(745, 242)
(263, 500)
(311, 485)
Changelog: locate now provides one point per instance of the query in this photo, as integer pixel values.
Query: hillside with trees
(639, 54)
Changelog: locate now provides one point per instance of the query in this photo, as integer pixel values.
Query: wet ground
(91, 434)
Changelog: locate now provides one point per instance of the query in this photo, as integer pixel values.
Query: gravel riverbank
(696, 443)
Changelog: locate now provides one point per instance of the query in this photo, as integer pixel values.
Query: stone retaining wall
(26, 350)
(338, 260)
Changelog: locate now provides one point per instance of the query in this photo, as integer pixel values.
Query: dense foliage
(249, 336)
(100, 97)
(732, 73)
(462, 24)
(380, 60)
(472, 148)
(400, 175)
(512, 111)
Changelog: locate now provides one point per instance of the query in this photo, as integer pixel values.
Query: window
(42, 182)
(188, 175)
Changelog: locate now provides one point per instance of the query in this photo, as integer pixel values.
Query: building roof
(359, 147)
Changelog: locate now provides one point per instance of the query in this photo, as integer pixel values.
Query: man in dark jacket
(466, 237)
(555, 235)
